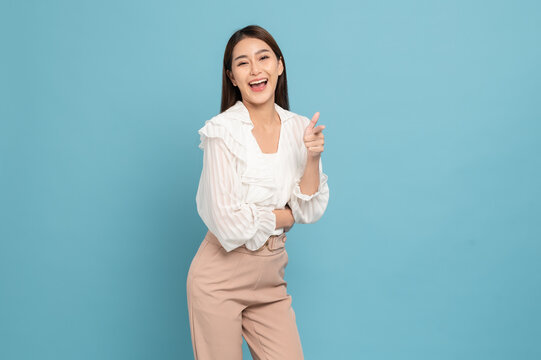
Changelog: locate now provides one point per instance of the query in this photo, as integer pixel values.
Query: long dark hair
(230, 93)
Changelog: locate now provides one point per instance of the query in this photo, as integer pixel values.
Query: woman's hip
(213, 269)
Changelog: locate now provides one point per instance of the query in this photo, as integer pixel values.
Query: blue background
(430, 245)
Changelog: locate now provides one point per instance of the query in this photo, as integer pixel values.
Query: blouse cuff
(265, 221)
(297, 189)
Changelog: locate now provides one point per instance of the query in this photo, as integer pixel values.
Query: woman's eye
(263, 57)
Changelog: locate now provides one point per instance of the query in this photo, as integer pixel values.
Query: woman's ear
(230, 76)
(280, 66)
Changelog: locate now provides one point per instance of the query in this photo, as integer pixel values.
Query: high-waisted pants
(241, 293)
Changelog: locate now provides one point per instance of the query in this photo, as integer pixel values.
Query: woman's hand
(314, 138)
(284, 218)
(287, 228)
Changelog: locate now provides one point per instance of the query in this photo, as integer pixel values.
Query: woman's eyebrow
(257, 52)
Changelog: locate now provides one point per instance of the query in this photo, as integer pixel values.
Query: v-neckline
(279, 138)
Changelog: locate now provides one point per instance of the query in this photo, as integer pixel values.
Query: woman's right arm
(221, 207)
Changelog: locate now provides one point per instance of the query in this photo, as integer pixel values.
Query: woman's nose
(255, 68)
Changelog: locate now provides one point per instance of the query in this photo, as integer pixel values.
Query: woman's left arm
(310, 180)
(311, 192)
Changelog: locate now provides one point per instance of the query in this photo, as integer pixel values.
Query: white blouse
(240, 185)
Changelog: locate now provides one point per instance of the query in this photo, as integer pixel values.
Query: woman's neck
(262, 115)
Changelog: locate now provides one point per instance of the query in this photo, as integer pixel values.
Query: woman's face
(253, 60)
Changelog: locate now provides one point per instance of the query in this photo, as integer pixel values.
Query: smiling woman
(252, 55)
(262, 173)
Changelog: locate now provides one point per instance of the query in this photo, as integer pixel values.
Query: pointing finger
(314, 120)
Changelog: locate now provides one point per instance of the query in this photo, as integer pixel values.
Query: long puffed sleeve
(308, 209)
(220, 205)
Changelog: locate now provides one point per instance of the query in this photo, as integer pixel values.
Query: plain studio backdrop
(430, 245)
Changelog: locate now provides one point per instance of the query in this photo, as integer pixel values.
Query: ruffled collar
(242, 113)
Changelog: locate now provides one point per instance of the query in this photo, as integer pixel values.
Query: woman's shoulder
(231, 119)
(226, 118)
(300, 121)
(297, 123)
(237, 115)
(294, 119)
(226, 126)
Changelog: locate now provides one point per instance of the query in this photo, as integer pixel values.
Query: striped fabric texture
(240, 185)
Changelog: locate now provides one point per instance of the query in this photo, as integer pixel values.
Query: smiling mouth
(259, 86)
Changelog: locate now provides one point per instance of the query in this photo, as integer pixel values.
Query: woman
(261, 174)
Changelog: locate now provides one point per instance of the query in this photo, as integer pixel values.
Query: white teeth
(257, 82)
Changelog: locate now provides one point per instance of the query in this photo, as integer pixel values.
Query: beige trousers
(241, 294)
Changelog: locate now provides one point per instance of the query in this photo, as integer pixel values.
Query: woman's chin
(259, 99)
